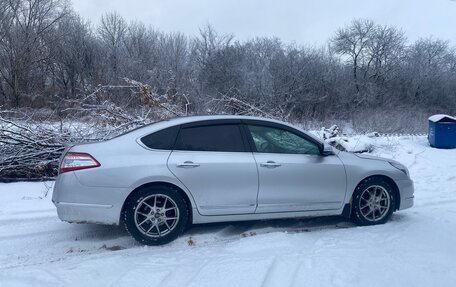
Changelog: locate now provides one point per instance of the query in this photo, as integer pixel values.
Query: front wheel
(373, 202)
(155, 215)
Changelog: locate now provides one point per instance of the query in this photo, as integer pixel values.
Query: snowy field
(416, 248)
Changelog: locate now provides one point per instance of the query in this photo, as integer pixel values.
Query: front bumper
(406, 190)
(78, 203)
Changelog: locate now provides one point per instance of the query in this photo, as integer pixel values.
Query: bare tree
(374, 52)
(207, 43)
(141, 44)
(427, 63)
(174, 60)
(27, 27)
(353, 41)
(72, 56)
(112, 31)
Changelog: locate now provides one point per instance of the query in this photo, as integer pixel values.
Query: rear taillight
(76, 161)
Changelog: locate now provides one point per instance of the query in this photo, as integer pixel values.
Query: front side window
(276, 140)
(224, 138)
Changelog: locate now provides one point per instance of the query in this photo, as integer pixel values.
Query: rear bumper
(86, 213)
(78, 203)
(406, 190)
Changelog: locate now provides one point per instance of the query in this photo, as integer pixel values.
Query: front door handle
(270, 164)
(187, 164)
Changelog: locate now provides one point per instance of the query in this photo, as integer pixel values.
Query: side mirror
(327, 150)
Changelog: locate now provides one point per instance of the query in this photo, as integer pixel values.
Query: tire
(145, 219)
(368, 209)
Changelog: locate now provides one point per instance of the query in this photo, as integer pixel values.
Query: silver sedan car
(159, 179)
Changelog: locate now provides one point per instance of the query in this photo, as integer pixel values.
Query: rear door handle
(187, 164)
(270, 164)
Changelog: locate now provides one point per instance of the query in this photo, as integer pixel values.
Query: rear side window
(225, 138)
(163, 139)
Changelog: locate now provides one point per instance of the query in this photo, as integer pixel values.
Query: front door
(293, 175)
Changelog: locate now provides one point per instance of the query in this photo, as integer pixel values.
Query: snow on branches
(28, 148)
(31, 144)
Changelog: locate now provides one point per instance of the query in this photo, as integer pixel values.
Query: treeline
(368, 74)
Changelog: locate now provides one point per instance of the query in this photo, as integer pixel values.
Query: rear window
(224, 138)
(162, 139)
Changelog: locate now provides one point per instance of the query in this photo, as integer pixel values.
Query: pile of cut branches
(31, 144)
(29, 150)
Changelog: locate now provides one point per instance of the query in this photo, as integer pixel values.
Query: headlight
(400, 167)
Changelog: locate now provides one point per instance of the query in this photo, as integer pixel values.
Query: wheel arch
(184, 195)
(390, 181)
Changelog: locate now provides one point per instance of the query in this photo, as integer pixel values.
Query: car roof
(142, 131)
(191, 119)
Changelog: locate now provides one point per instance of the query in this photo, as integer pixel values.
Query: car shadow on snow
(87, 232)
(250, 228)
(234, 230)
(113, 238)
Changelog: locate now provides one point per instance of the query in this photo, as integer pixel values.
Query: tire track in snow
(282, 272)
(183, 276)
(13, 220)
(48, 210)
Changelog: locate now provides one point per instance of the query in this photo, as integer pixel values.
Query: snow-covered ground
(416, 248)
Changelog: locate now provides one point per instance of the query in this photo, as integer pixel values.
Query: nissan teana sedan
(159, 179)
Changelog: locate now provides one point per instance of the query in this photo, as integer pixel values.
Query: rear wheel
(373, 202)
(155, 215)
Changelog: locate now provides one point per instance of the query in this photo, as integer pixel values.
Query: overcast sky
(300, 21)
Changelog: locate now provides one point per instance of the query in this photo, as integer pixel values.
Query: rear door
(212, 159)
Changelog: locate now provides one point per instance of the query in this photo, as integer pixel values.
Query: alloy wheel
(156, 215)
(374, 203)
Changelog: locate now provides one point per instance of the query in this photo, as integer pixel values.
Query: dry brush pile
(32, 141)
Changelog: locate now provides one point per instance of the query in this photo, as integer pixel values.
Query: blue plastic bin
(442, 131)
